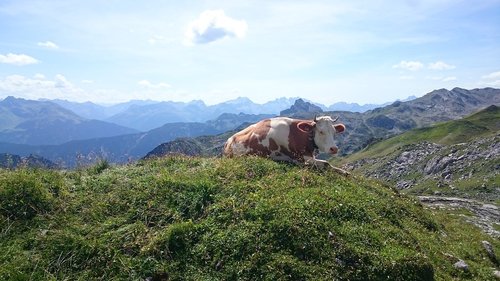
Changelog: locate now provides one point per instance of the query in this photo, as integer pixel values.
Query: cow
(287, 139)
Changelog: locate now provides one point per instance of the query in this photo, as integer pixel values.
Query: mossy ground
(225, 219)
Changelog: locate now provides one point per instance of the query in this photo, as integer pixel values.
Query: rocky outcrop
(441, 166)
(490, 251)
(484, 215)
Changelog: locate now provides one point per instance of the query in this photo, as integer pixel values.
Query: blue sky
(110, 51)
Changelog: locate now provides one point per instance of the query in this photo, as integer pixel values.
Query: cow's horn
(315, 118)
(335, 119)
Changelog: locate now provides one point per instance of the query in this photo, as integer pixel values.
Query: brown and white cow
(286, 139)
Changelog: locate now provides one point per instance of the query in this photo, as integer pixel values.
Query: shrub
(99, 167)
(23, 195)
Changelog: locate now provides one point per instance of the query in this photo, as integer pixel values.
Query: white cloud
(492, 76)
(48, 44)
(440, 65)
(39, 76)
(41, 87)
(20, 59)
(406, 77)
(155, 39)
(150, 85)
(442, 79)
(495, 83)
(434, 77)
(492, 79)
(409, 65)
(417, 65)
(62, 83)
(449, 78)
(213, 25)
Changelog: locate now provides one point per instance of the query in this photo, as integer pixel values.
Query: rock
(340, 262)
(491, 253)
(218, 265)
(431, 166)
(404, 184)
(460, 264)
(496, 273)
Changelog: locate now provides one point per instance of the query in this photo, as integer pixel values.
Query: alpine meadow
(249, 140)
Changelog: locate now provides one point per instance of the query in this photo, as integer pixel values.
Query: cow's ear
(339, 128)
(305, 126)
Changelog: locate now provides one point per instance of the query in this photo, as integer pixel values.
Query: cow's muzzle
(333, 150)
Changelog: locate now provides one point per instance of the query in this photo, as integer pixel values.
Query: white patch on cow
(279, 132)
(239, 148)
(265, 142)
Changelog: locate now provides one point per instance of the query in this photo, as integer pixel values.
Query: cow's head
(324, 132)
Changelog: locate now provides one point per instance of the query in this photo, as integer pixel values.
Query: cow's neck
(311, 140)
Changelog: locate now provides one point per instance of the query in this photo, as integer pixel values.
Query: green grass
(497, 226)
(224, 219)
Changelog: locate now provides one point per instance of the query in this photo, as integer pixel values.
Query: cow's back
(249, 140)
(278, 138)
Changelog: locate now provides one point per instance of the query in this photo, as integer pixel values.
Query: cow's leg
(339, 170)
(316, 163)
(322, 164)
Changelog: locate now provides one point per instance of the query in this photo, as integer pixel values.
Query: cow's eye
(321, 132)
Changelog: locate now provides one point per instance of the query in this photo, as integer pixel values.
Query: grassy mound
(180, 218)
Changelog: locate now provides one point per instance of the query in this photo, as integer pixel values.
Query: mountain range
(366, 128)
(50, 122)
(362, 128)
(92, 110)
(437, 106)
(44, 122)
(147, 115)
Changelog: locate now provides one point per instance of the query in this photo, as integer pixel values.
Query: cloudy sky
(110, 51)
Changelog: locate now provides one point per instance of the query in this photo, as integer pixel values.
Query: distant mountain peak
(301, 106)
(239, 100)
(11, 100)
(197, 102)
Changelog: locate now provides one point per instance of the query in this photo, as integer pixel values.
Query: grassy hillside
(224, 219)
(455, 158)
